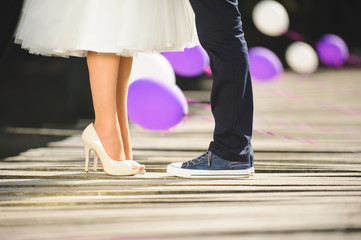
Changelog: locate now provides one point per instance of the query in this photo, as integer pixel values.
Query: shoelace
(207, 156)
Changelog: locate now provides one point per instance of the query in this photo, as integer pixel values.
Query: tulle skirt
(125, 27)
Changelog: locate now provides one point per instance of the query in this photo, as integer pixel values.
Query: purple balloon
(189, 63)
(156, 105)
(332, 50)
(264, 64)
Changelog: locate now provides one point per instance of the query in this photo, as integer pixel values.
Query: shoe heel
(95, 163)
(87, 149)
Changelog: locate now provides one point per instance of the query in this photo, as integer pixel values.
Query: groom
(220, 32)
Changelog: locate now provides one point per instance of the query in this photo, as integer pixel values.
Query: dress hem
(125, 52)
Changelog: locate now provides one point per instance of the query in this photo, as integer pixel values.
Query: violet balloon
(332, 50)
(156, 105)
(189, 63)
(264, 64)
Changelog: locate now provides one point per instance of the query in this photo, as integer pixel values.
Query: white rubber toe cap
(177, 165)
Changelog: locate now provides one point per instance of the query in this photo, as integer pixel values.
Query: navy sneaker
(210, 165)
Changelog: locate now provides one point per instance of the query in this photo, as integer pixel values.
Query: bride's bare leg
(103, 74)
(125, 67)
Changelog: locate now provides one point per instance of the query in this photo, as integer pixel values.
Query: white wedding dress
(125, 27)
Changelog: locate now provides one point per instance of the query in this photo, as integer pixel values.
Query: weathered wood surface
(307, 143)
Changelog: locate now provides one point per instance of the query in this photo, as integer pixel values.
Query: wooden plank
(222, 219)
(269, 199)
(263, 182)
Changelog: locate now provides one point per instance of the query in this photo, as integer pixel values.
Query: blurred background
(44, 92)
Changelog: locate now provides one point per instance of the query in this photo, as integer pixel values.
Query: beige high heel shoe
(111, 167)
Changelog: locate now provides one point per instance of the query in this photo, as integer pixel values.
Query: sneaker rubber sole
(176, 170)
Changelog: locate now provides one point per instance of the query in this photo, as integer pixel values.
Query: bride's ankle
(106, 130)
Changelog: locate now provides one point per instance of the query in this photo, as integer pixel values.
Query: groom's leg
(220, 32)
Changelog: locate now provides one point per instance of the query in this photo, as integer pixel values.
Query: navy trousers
(220, 32)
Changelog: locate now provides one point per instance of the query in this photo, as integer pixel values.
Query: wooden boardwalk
(307, 141)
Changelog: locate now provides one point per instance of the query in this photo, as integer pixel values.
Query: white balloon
(302, 58)
(154, 66)
(271, 18)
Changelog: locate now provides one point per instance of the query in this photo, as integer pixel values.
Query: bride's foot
(140, 167)
(111, 141)
(128, 148)
(92, 141)
(114, 146)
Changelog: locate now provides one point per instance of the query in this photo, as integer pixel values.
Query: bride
(108, 33)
